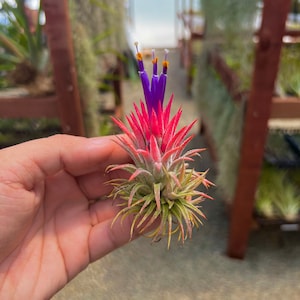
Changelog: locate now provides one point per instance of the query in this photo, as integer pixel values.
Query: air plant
(288, 81)
(266, 192)
(24, 56)
(288, 203)
(277, 197)
(162, 190)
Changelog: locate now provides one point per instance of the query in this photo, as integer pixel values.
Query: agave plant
(24, 57)
(162, 191)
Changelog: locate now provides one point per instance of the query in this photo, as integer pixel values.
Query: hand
(51, 228)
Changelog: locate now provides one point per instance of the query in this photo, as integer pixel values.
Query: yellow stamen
(165, 64)
(139, 56)
(154, 60)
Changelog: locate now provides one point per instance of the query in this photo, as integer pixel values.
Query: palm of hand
(57, 232)
(58, 225)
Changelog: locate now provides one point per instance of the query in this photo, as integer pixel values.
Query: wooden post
(256, 123)
(60, 43)
(118, 90)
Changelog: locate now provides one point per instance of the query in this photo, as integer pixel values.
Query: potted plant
(23, 52)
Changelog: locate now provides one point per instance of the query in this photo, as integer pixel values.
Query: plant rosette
(162, 191)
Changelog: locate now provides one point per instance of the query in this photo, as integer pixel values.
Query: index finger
(76, 155)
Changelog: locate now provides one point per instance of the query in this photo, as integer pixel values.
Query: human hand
(50, 226)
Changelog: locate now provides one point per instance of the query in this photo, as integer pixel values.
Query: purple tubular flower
(145, 81)
(163, 80)
(161, 88)
(154, 94)
(147, 90)
(154, 82)
(154, 62)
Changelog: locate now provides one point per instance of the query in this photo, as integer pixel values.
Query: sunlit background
(153, 23)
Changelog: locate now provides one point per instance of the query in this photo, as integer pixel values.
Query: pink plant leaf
(127, 167)
(201, 194)
(124, 128)
(154, 124)
(179, 161)
(136, 130)
(159, 117)
(129, 148)
(194, 152)
(157, 168)
(179, 136)
(144, 112)
(139, 172)
(169, 153)
(207, 183)
(143, 120)
(181, 147)
(169, 130)
(154, 149)
(167, 112)
(147, 158)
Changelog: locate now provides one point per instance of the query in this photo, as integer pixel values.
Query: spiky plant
(288, 202)
(162, 191)
(24, 57)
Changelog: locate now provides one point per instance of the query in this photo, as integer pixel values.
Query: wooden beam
(255, 127)
(118, 89)
(29, 107)
(283, 108)
(59, 36)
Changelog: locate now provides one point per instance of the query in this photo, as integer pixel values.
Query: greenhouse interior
(228, 138)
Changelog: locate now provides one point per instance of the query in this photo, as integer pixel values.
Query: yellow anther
(165, 64)
(154, 60)
(139, 56)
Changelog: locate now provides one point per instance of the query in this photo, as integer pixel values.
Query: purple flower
(154, 92)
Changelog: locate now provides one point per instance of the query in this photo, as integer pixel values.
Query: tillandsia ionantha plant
(162, 191)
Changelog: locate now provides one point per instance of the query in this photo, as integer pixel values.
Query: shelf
(29, 107)
(287, 107)
(282, 107)
(263, 221)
